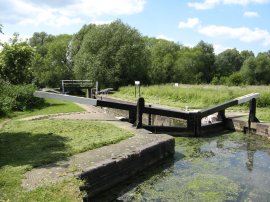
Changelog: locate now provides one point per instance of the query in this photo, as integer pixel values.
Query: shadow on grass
(17, 149)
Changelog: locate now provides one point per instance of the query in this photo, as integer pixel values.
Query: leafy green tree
(195, 65)
(39, 41)
(227, 62)
(206, 61)
(262, 70)
(257, 70)
(163, 55)
(245, 54)
(77, 40)
(15, 61)
(112, 54)
(185, 66)
(235, 79)
(55, 65)
(248, 70)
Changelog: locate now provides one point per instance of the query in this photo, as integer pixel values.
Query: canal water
(230, 166)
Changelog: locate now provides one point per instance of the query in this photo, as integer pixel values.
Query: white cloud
(106, 7)
(220, 48)
(6, 38)
(245, 2)
(190, 23)
(71, 12)
(161, 36)
(100, 22)
(251, 14)
(243, 34)
(189, 45)
(208, 4)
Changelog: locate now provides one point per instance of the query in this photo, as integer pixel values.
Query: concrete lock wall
(114, 171)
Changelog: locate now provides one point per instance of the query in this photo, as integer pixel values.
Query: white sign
(137, 83)
(176, 84)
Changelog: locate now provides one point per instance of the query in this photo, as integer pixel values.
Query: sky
(240, 24)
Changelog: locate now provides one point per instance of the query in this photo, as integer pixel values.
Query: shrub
(17, 97)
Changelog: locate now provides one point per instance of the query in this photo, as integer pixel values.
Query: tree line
(116, 55)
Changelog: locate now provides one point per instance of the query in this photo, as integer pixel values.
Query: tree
(112, 54)
(15, 62)
(206, 58)
(55, 65)
(262, 70)
(257, 70)
(1, 26)
(77, 40)
(39, 40)
(248, 70)
(195, 65)
(227, 62)
(245, 54)
(187, 66)
(163, 55)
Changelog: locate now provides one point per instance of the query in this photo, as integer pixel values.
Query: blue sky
(241, 24)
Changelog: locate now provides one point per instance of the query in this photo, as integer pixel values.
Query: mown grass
(50, 107)
(199, 96)
(28, 144)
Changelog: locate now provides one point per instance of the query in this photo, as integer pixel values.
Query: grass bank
(28, 144)
(49, 107)
(199, 96)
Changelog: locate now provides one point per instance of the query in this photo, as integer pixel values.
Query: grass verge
(28, 144)
(50, 107)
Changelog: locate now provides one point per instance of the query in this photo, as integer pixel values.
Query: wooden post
(221, 115)
(149, 118)
(63, 87)
(190, 122)
(140, 107)
(252, 113)
(194, 123)
(88, 93)
(198, 124)
(132, 116)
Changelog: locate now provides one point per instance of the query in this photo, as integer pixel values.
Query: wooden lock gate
(136, 111)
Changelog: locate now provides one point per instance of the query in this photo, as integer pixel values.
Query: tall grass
(199, 96)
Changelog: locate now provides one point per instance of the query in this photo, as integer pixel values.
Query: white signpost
(137, 83)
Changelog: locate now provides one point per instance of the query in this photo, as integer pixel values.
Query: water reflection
(228, 167)
(250, 156)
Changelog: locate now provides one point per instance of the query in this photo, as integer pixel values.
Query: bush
(17, 97)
